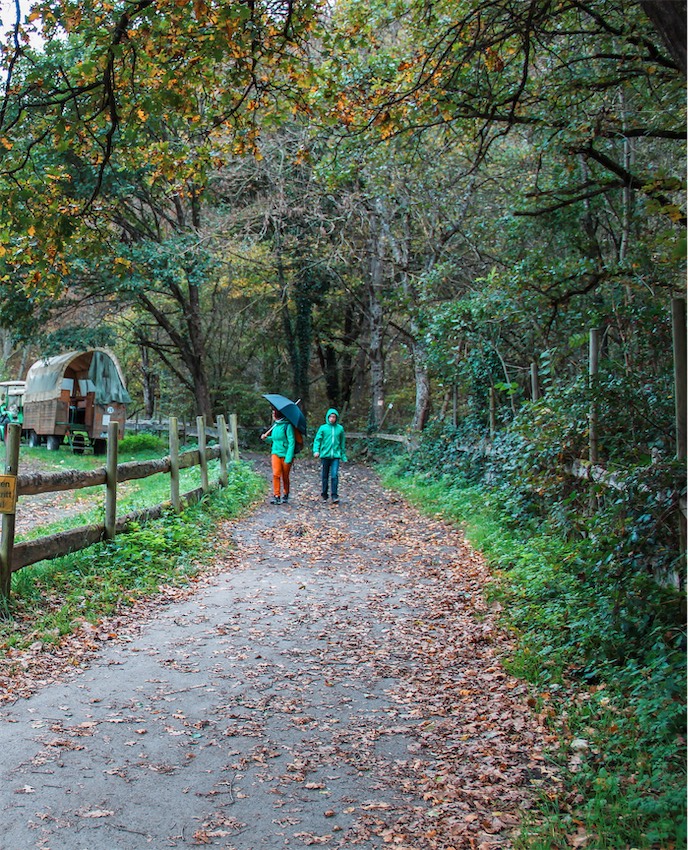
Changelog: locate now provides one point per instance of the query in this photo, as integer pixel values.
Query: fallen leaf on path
(309, 838)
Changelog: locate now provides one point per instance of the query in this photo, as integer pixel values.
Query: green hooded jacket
(283, 440)
(330, 441)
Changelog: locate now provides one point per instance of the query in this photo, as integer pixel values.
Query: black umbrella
(289, 409)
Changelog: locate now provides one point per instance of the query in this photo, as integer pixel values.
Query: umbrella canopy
(289, 409)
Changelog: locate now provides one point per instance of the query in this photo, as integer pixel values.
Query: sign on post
(8, 494)
(8, 517)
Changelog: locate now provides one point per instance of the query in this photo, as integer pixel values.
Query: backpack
(299, 441)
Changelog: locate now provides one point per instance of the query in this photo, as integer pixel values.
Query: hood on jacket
(329, 412)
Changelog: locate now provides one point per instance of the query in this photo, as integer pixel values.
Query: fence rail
(409, 442)
(14, 557)
(162, 426)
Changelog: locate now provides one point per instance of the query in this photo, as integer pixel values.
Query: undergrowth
(53, 598)
(605, 654)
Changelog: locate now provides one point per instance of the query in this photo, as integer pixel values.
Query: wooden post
(200, 427)
(535, 393)
(678, 327)
(678, 332)
(593, 369)
(224, 449)
(235, 435)
(174, 464)
(111, 482)
(13, 436)
(493, 413)
(384, 415)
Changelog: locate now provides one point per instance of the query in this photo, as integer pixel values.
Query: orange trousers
(280, 474)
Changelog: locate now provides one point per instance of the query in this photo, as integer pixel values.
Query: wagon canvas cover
(44, 379)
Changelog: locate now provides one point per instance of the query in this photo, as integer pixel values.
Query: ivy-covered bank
(602, 642)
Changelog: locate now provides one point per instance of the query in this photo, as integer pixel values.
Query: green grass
(51, 599)
(595, 673)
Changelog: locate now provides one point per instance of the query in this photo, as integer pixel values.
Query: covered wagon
(76, 396)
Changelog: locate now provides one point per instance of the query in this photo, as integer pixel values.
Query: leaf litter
(389, 628)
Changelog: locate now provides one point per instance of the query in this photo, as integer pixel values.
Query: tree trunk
(669, 19)
(401, 249)
(423, 396)
(7, 344)
(304, 338)
(353, 327)
(197, 366)
(149, 382)
(185, 343)
(204, 405)
(376, 327)
(328, 364)
(298, 330)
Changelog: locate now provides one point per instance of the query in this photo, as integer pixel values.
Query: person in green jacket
(330, 446)
(282, 454)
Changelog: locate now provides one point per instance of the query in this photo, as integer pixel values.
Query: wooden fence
(15, 556)
(161, 428)
(409, 441)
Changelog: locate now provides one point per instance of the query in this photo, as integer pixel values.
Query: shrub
(144, 441)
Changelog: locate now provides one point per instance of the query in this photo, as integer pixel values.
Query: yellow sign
(8, 494)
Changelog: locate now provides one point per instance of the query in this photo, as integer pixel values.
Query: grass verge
(614, 699)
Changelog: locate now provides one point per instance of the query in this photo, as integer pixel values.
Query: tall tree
(112, 78)
(109, 131)
(571, 74)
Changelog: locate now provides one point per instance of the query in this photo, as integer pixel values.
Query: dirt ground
(334, 679)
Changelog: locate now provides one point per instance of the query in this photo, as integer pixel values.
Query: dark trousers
(330, 472)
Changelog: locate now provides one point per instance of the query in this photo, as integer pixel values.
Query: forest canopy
(370, 204)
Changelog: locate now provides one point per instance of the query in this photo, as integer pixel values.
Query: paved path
(335, 682)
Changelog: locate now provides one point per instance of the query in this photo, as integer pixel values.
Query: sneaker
(324, 497)
(335, 500)
(275, 500)
(285, 498)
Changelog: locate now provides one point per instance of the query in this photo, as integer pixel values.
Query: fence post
(8, 520)
(678, 327)
(535, 393)
(235, 435)
(200, 427)
(224, 449)
(174, 464)
(593, 369)
(111, 482)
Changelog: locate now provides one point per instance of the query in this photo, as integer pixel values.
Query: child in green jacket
(329, 446)
(282, 454)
